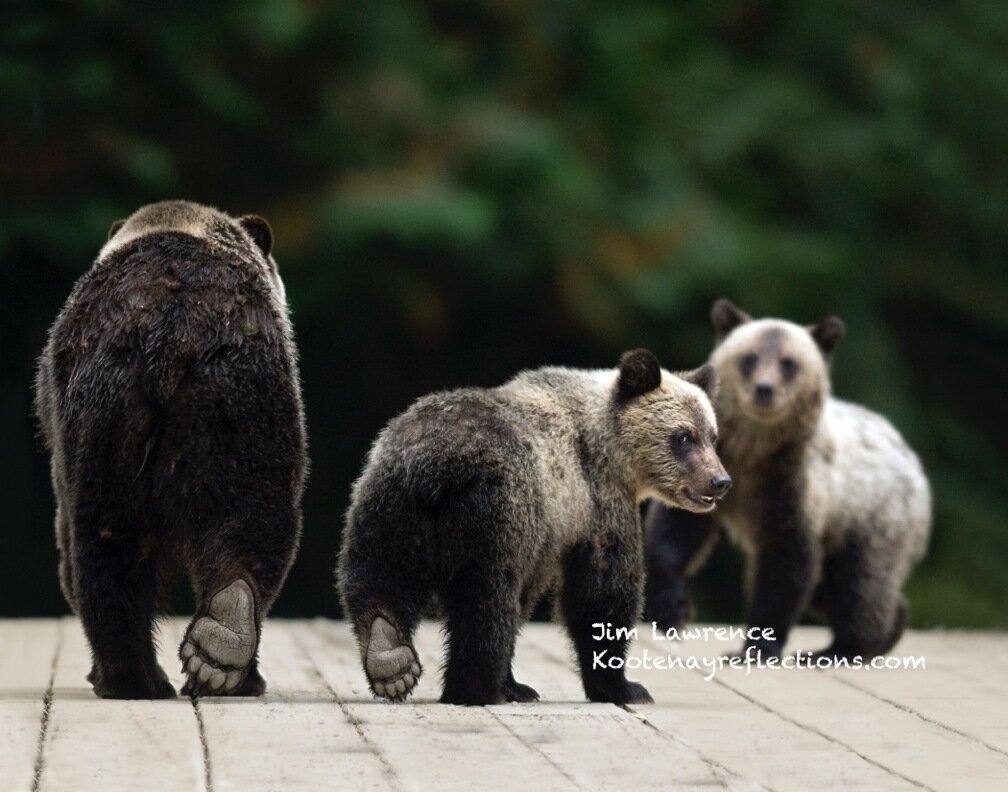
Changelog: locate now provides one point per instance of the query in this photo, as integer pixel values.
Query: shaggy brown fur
(488, 499)
(168, 397)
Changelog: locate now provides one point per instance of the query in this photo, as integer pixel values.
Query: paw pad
(219, 646)
(392, 667)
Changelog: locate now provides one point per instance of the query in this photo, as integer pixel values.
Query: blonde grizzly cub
(830, 505)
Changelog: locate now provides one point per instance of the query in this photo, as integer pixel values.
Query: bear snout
(763, 393)
(719, 485)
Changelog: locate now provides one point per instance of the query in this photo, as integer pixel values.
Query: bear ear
(639, 373)
(115, 227)
(726, 316)
(705, 378)
(827, 334)
(259, 230)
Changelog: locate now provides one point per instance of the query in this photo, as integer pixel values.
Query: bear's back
(874, 479)
(161, 303)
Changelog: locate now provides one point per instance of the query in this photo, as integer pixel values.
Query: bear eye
(682, 440)
(788, 367)
(747, 364)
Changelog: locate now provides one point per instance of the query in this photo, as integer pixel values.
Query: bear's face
(770, 369)
(667, 423)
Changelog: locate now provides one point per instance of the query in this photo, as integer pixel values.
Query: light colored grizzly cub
(830, 505)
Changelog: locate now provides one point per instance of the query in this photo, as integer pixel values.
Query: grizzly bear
(830, 505)
(484, 500)
(169, 400)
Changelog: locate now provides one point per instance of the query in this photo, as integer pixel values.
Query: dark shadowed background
(460, 190)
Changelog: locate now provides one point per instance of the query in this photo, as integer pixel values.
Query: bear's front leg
(677, 545)
(786, 569)
(602, 586)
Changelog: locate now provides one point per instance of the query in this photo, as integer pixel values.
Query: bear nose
(764, 392)
(720, 484)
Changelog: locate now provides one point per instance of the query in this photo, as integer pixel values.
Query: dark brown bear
(168, 396)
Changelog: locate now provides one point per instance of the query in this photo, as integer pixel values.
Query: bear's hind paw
(219, 647)
(392, 667)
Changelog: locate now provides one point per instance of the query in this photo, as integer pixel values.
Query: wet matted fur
(169, 399)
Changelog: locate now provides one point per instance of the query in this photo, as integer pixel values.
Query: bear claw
(220, 646)
(392, 667)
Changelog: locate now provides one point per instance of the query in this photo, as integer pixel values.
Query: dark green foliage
(459, 190)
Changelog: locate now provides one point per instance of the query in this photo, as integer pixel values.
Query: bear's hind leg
(115, 593)
(390, 661)
(238, 573)
(862, 605)
(64, 551)
(483, 617)
(219, 650)
(239, 562)
(230, 467)
(383, 596)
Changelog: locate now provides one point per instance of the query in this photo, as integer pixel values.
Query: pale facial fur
(671, 433)
(770, 370)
